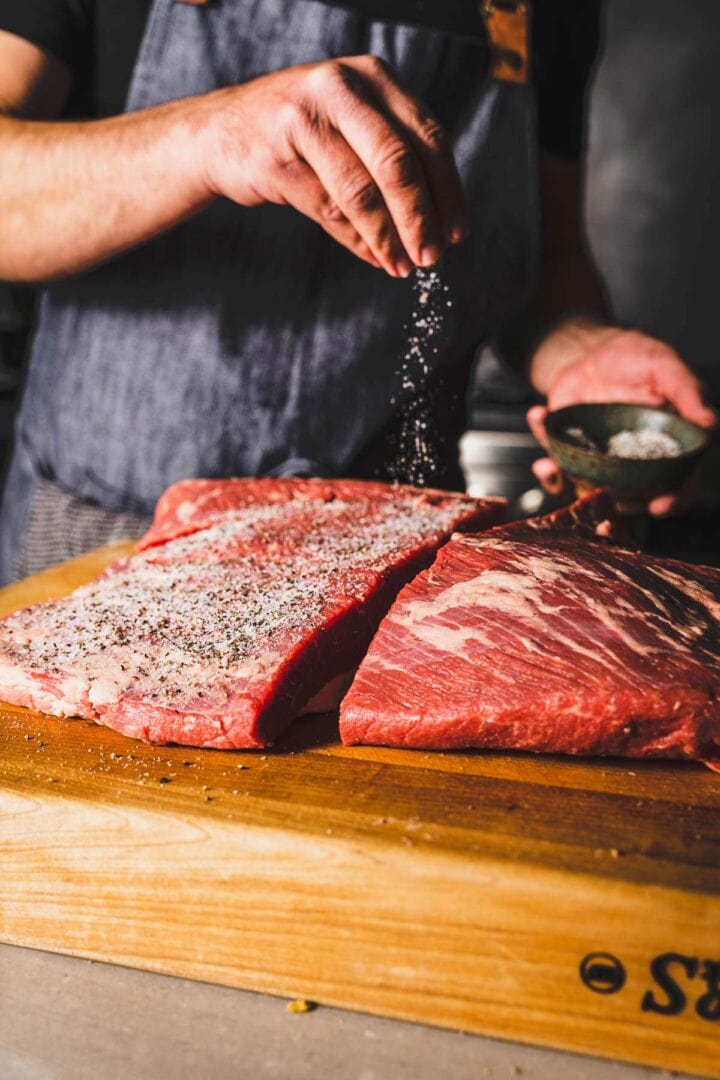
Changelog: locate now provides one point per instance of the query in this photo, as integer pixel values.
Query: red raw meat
(533, 638)
(219, 637)
(593, 516)
(191, 505)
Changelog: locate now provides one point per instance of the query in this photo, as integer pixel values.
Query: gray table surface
(62, 1018)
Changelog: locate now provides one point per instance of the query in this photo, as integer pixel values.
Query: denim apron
(246, 341)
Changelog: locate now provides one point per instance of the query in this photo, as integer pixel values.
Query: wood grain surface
(459, 889)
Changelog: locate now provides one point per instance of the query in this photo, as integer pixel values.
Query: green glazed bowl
(626, 477)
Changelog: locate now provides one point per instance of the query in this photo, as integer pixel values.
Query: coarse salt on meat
(247, 599)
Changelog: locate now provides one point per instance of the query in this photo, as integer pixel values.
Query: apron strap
(508, 28)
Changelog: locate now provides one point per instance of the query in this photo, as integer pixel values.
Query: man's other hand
(582, 362)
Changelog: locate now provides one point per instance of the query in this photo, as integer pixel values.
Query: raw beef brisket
(191, 505)
(593, 517)
(532, 638)
(249, 597)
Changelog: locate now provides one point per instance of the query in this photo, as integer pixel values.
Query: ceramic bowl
(591, 465)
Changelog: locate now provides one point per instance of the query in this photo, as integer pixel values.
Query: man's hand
(582, 362)
(344, 144)
(340, 141)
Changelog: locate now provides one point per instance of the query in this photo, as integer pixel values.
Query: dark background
(653, 172)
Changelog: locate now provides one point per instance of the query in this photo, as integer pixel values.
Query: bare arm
(570, 295)
(340, 141)
(74, 194)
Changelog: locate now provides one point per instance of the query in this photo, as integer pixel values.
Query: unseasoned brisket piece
(219, 637)
(532, 638)
(592, 516)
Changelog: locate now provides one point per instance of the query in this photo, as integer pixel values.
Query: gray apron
(246, 341)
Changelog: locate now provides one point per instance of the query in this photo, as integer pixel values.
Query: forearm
(567, 305)
(75, 194)
(569, 301)
(566, 308)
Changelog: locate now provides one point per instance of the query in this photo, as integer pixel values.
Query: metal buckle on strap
(508, 28)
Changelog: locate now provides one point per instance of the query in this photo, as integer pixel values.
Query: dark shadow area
(308, 733)
(653, 171)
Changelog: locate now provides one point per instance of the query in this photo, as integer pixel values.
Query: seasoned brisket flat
(249, 597)
(531, 637)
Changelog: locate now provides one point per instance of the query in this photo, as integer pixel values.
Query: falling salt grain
(418, 445)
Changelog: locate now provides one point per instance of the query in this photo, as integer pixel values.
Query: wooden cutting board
(566, 903)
